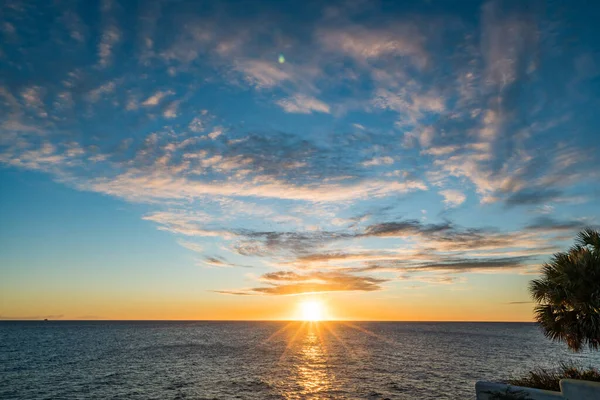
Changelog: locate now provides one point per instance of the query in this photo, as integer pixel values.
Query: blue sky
(228, 152)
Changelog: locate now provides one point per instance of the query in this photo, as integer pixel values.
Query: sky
(415, 160)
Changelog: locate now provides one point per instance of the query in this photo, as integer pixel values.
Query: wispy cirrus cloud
(156, 98)
(195, 247)
(262, 74)
(111, 34)
(143, 187)
(385, 160)
(548, 224)
(302, 104)
(216, 262)
(364, 45)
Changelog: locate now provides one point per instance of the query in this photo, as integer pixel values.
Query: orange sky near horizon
(448, 306)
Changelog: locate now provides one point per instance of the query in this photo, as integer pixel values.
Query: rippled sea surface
(266, 360)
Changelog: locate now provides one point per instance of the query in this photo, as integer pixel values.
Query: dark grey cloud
(263, 243)
(442, 279)
(217, 261)
(405, 228)
(440, 237)
(549, 224)
(447, 264)
(447, 236)
(468, 265)
(532, 197)
(304, 243)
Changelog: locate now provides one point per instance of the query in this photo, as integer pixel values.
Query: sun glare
(311, 310)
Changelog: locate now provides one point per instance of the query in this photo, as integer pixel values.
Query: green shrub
(548, 379)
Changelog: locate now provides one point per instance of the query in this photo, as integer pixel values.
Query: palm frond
(568, 294)
(589, 237)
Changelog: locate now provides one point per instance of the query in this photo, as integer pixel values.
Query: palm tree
(568, 294)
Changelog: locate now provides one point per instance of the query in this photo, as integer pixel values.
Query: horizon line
(256, 320)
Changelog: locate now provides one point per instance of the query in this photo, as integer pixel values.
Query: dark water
(229, 360)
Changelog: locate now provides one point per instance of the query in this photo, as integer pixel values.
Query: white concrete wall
(571, 389)
(485, 389)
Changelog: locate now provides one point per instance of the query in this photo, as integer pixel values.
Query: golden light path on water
(312, 371)
(306, 352)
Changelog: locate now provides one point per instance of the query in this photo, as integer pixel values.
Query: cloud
(111, 34)
(453, 198)
(378, 161)
(45, 157)
(508, 38)
(158, 186)
(33, 99)
(412, 107)
(156, 98)
(272, 242)
(338, 259)
(185, 223)
(216, 261)
(110, 37)
(435, 279)
(292, 283)
(302, 104)
(196, 125)
(440, 150)
(405, 228)
(198, 248)
(533, 196)
(103, 90)
(443, 246)
(526, 180)
(547, 224)
(262, 74)
(218, 131)
(426, 136)
(77, 29)
(171, 110)
(365, 45)
(469, 265)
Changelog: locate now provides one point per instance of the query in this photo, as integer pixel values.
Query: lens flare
(281, 59)
(311, 310)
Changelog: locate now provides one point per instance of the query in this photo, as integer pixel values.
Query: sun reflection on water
(312, 371)
(313, 352)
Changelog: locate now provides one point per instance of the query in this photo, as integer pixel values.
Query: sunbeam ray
(278, 332)
(292, 340)
(341, 341)
(370, 333)
(317, 327)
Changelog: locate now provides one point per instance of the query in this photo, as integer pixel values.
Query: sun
(311, 310)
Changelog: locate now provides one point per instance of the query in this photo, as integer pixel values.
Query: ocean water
(266, 360)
